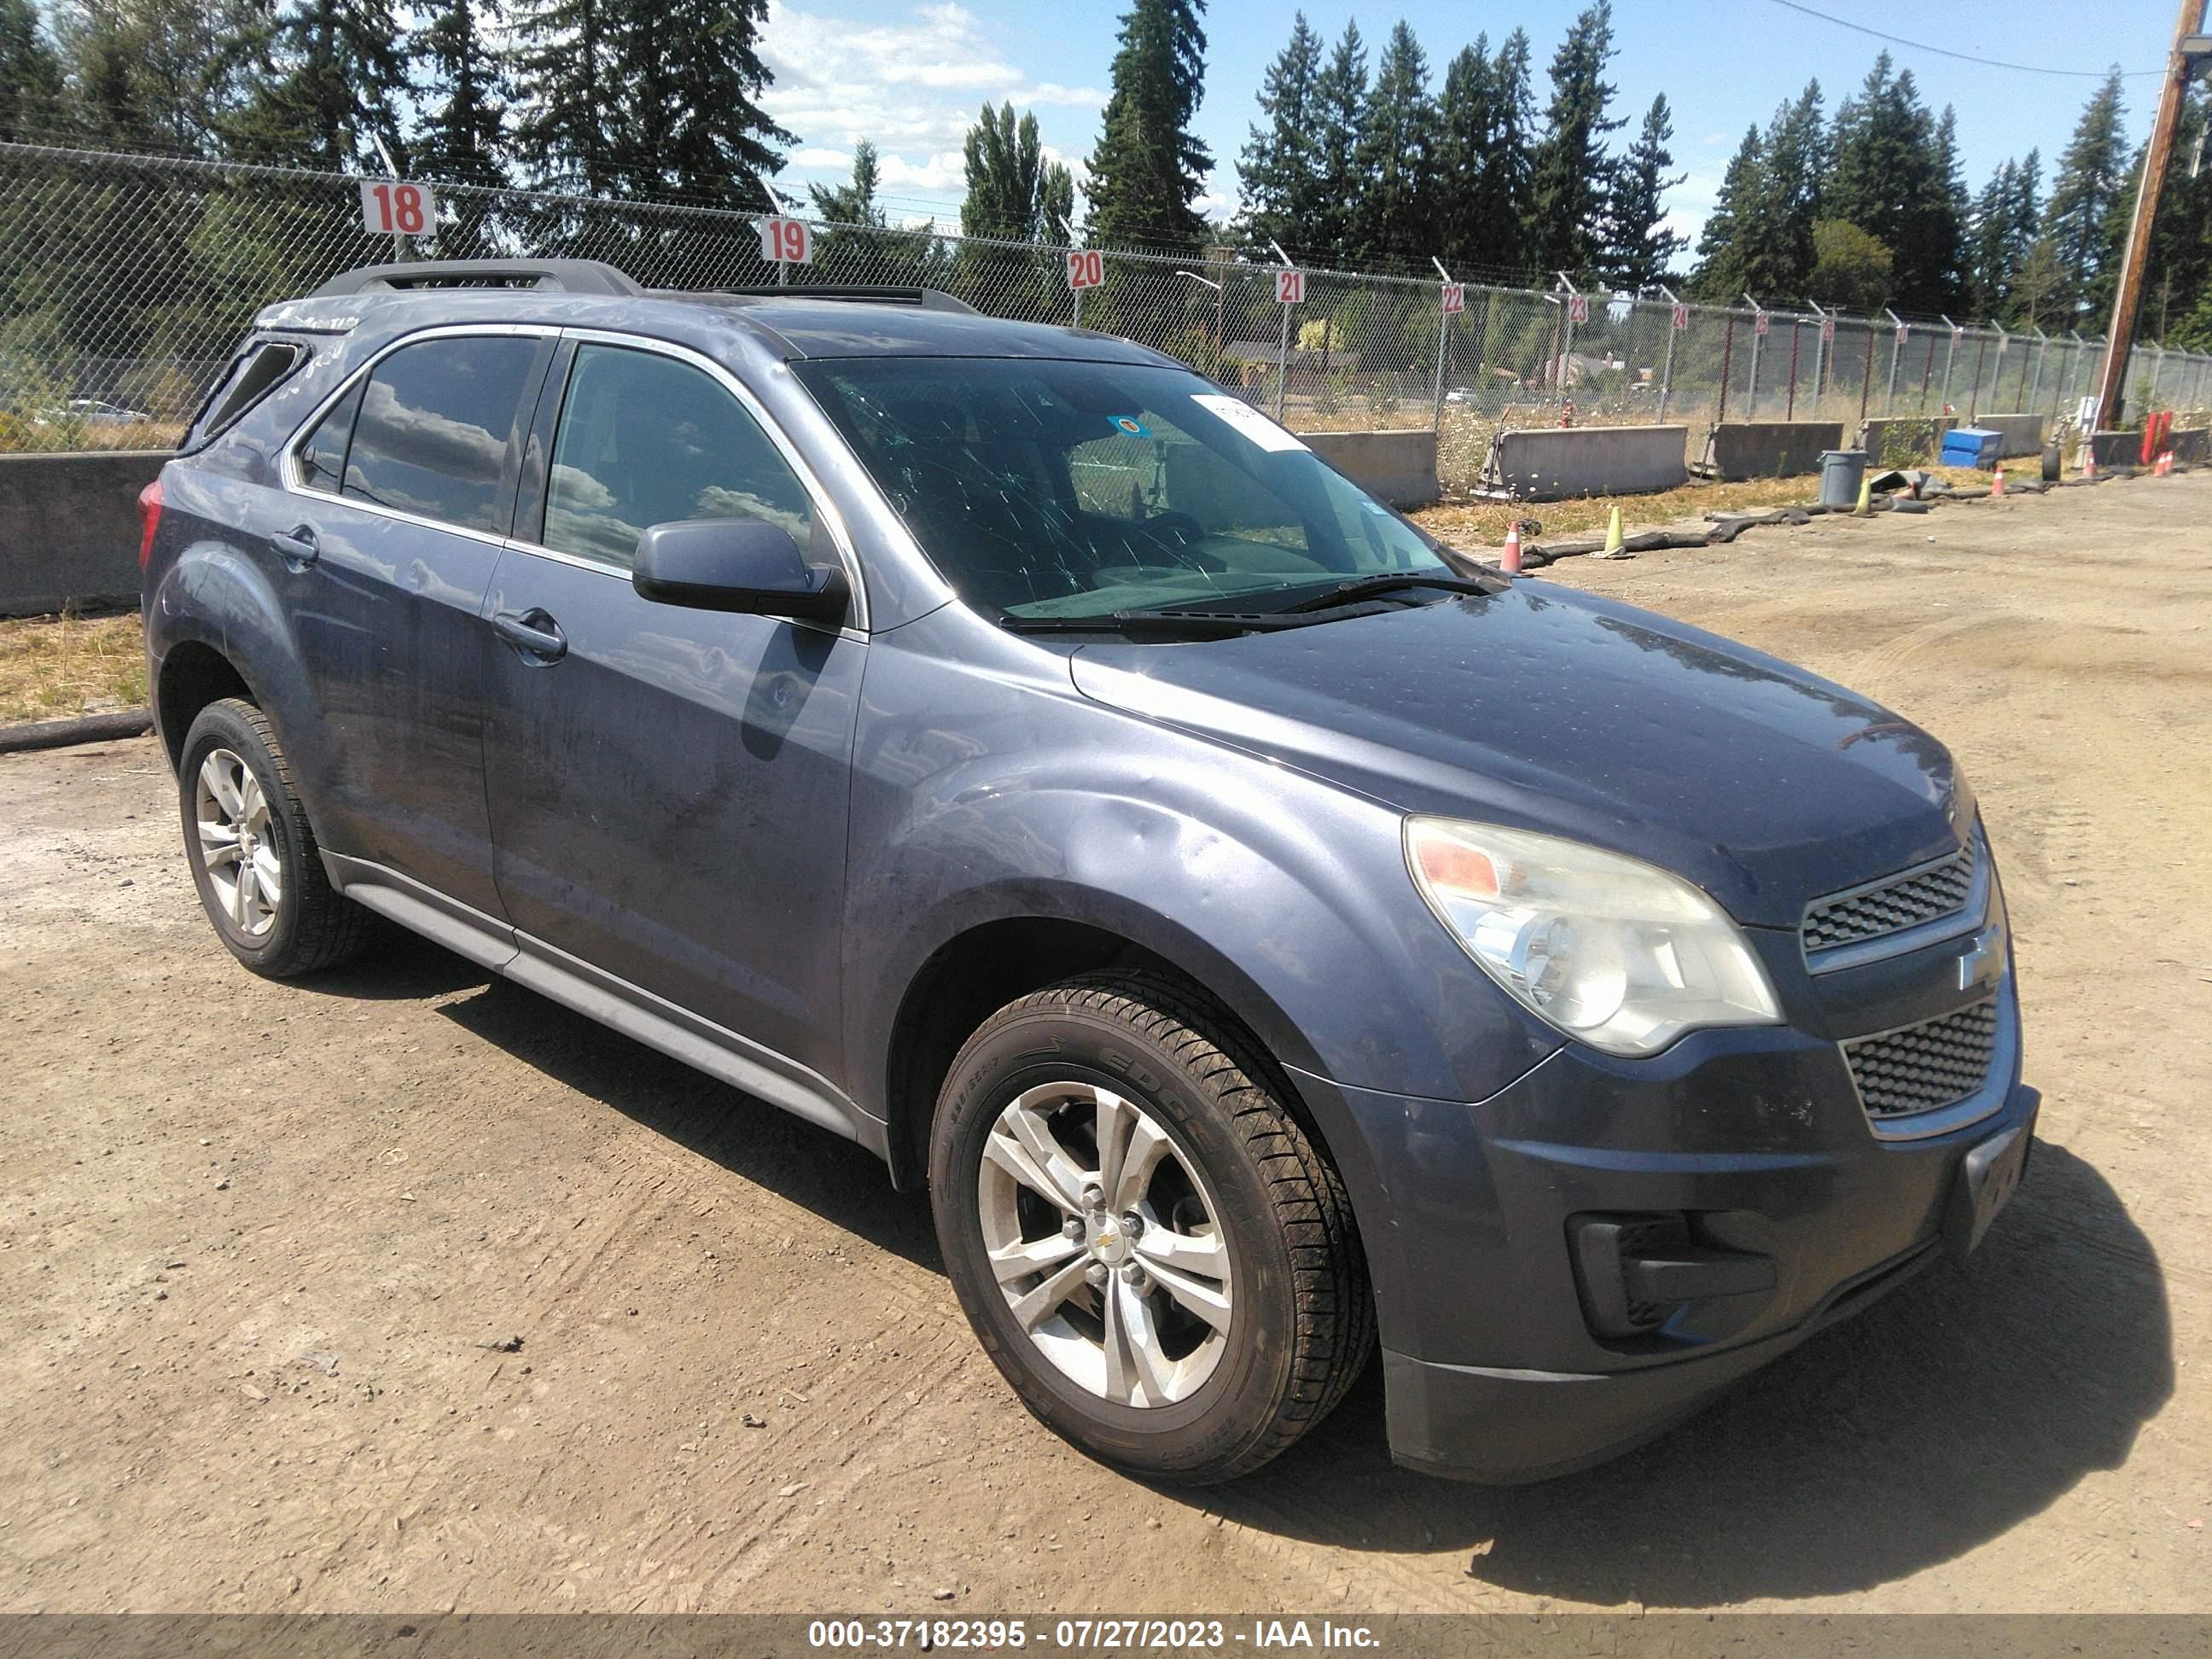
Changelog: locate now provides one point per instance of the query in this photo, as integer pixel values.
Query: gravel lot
(262, 1244)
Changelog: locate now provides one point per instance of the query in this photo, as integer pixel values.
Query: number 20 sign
(392, 207)
(1086, 267)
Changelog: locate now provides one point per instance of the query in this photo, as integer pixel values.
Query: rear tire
(1236, 1312)
(253, 855)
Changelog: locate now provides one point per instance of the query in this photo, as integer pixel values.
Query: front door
(669, 787)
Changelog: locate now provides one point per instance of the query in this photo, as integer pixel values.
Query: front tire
(1146, 1242)
(253, 855)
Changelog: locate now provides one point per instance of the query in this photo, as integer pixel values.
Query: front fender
(987, 791)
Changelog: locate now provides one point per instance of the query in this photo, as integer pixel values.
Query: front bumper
(1494, 1364)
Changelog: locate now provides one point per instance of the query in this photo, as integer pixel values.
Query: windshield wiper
(1369, 587)
(1179, 624)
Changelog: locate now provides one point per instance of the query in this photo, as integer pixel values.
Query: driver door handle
(532, 633)
(297, 546)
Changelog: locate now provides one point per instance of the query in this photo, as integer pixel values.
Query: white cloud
(911, 88)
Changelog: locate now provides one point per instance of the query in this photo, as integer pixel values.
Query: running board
(615, 1003)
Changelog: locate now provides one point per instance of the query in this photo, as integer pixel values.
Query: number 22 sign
(393, 207)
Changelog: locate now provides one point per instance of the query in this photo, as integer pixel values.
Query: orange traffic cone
(1997, 485)
(1510, 560)
(2165, 463)
(2090, 462)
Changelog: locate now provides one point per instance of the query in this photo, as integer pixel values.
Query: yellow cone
(1613, 537)
(1866, 498)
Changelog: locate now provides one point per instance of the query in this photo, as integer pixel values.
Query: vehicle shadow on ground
(1965, 1402)
(843, 1182)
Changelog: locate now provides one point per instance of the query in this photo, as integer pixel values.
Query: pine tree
(1278, 173)
(1467, 135)
(561, 59)
(1932, 241)
(1890, 174)
(464, 134)
(1638, 248)
(854, 203)
(1340, 98)
(1014, 193)
(1775, 227)
(2000, 235)
(1392, 220)
(1509, 190)
(1148, 168)
(332, 77)
(30, 74)
(1720, 274)
(2088, 179)
(2179, 266)
(691, 77)
(1572, 175)
(161, 75)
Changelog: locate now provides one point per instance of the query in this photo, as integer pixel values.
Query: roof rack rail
(564, 275)
(927, 299)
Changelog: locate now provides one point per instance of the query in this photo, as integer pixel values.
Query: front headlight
(1614, 952)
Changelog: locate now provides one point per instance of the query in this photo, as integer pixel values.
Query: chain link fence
(126, 280)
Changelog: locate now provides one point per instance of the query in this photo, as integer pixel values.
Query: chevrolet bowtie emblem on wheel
(1984, 960)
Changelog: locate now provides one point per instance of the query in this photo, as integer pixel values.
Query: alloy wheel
(237, 843)
(1106, 1243)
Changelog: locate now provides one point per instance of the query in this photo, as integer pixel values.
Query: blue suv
(1266, 933)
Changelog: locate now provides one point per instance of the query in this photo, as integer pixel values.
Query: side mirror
(746, 565)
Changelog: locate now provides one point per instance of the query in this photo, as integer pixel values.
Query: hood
(1545, 708)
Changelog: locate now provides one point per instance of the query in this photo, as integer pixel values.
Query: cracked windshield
(1046, 489)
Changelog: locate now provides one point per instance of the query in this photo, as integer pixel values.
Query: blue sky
(911, 75)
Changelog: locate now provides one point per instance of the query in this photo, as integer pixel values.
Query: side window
(253, 375)
(645, 439)
(322, 458)
(435, 423)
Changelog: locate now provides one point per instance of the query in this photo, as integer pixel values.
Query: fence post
(1728, 355)
(1950, 358)
(1797, 333)
(1667, 372)
(1865, 381)
(2157, 369)
(2042, 350)
(1283, 363)
(1820, 351)
(1896, 351)
(1444, 327)
(1751, 398)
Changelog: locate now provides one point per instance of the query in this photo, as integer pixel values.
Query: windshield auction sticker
(1247, 420)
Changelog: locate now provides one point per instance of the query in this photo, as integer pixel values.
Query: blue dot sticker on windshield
(1132, 425)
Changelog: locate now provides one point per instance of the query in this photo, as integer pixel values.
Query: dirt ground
(257, 1239)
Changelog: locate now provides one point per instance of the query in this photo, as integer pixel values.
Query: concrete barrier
(1875, 436)
(2023, 433)
(1549, 464)
(2116, 448)
(1397, 467)
(2192, 445)
(1769, 449)
(69, 530)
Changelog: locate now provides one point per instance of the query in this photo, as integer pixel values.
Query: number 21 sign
(393, 207)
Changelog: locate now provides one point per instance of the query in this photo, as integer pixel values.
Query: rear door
(400, 497)
(669, 788)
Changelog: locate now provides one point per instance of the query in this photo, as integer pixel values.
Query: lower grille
(1937, 1063)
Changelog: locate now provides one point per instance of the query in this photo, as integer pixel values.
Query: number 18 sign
(393, 207)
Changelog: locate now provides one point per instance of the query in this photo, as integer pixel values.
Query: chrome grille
(1928, 894)
(1921, 1067)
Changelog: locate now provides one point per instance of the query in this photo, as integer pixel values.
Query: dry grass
(1480, 524)
(53, 667)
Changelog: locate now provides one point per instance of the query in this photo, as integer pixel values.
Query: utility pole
(2191, 48)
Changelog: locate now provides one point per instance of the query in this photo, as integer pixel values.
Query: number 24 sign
(393, 207)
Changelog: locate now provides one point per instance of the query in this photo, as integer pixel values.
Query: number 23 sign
(392, 207)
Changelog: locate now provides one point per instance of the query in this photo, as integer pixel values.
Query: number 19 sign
(393, 207)
(786, 241)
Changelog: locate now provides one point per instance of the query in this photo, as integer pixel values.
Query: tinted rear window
(433, 431)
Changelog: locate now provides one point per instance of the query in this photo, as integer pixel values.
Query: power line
(1963, 57)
